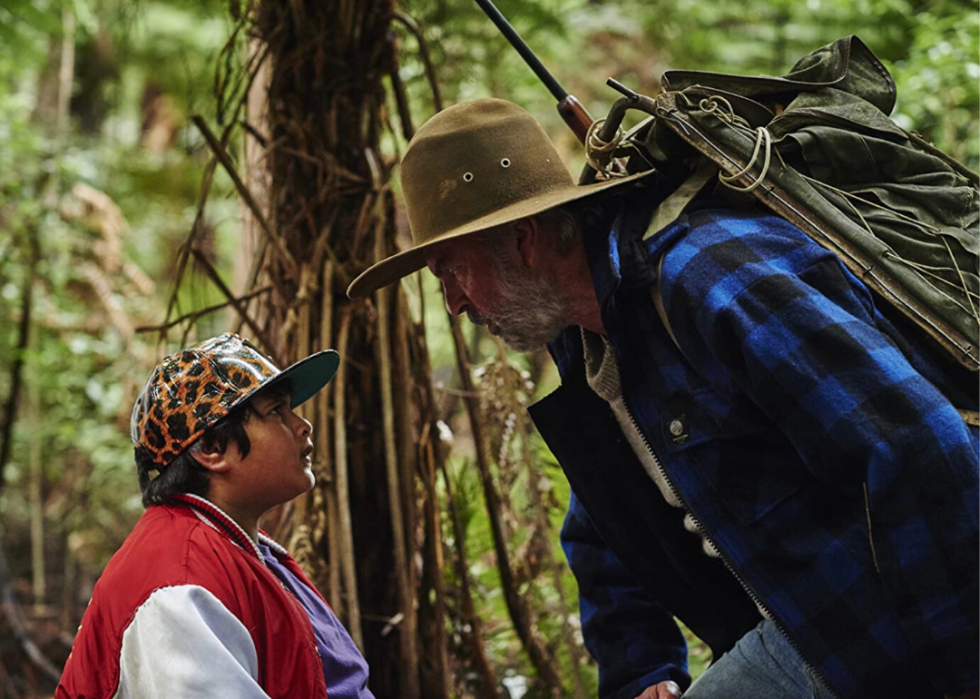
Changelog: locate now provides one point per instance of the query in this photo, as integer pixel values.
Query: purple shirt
(344, 668)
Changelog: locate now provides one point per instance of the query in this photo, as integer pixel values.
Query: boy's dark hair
(184, 474)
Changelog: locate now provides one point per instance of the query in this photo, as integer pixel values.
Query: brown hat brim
(402, 264)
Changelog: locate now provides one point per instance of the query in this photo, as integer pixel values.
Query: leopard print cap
(191, 390)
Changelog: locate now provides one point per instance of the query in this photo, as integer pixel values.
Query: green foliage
(931, 48)
(939, 80)
(25, 27)
(78, 379)
(83, 369)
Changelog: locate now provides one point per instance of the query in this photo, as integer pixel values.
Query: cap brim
(404, 263)
(309, 375)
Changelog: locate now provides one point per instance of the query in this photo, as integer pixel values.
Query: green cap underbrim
(309, 375)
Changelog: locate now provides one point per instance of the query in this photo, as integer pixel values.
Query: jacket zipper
(704, 533)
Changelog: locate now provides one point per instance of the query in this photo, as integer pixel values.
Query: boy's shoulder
(173, 556)
(171, 546)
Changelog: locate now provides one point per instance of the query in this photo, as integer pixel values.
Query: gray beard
(531, 311)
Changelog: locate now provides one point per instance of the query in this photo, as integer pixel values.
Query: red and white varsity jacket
(187, 608)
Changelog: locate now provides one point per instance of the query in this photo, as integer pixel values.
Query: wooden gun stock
(576, 116)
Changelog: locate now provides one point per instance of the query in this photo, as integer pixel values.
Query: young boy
(198, 602)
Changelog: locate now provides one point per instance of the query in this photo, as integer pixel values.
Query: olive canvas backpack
(818, 148)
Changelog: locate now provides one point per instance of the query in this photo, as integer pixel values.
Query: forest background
(164, 178)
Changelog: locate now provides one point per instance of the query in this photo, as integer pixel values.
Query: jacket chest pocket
(691, 418)
(740, 459)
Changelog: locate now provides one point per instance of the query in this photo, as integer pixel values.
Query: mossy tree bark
(371, 515)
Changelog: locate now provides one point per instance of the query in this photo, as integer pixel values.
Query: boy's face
(278, 466)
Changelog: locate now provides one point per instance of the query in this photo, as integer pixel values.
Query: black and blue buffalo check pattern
(819, 449)
(632, 638)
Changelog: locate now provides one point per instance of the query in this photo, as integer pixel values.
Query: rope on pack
(722, 109)
(762, 136)
(599, 153)
(956, 266)
(927, 272)
(921, 269)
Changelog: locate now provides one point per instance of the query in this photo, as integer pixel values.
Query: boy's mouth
(306, 452)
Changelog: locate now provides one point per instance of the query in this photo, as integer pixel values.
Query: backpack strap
(674, 205)
(664, 215)
(658, 303)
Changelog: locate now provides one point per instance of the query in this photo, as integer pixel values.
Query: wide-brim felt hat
(190, 391)
(472, 167)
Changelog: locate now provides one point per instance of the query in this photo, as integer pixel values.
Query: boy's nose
(304, 427)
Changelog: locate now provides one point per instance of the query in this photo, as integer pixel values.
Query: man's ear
(212, 458)
(529, 240)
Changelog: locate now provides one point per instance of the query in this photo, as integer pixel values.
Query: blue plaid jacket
(813, 436)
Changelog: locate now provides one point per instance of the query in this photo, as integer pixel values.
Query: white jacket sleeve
(183, 642)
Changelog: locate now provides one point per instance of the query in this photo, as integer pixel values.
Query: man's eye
(278, 410)
(443, 272)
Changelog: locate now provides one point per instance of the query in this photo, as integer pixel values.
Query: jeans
(762, 665)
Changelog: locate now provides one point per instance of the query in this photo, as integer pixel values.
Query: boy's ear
(212, 458)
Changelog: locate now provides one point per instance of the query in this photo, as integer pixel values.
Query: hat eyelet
(505, 162)
(467, 177)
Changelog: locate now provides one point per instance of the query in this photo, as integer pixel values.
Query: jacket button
(676, 428)
(316, 649)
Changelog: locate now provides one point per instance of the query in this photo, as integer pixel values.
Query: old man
(755, 445)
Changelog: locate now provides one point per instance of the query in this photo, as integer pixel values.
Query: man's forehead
(439, 255)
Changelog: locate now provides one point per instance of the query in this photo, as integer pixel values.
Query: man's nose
(456, 300)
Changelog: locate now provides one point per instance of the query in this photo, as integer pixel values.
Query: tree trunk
(17, 366)
(36, 490)
(329, 216)
(474, 637)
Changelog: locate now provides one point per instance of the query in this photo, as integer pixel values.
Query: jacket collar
(615, 249)
(617, 257)
(214, 516)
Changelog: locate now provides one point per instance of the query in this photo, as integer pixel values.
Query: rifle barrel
(526, 53)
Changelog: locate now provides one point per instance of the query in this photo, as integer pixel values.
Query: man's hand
(662, 690)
